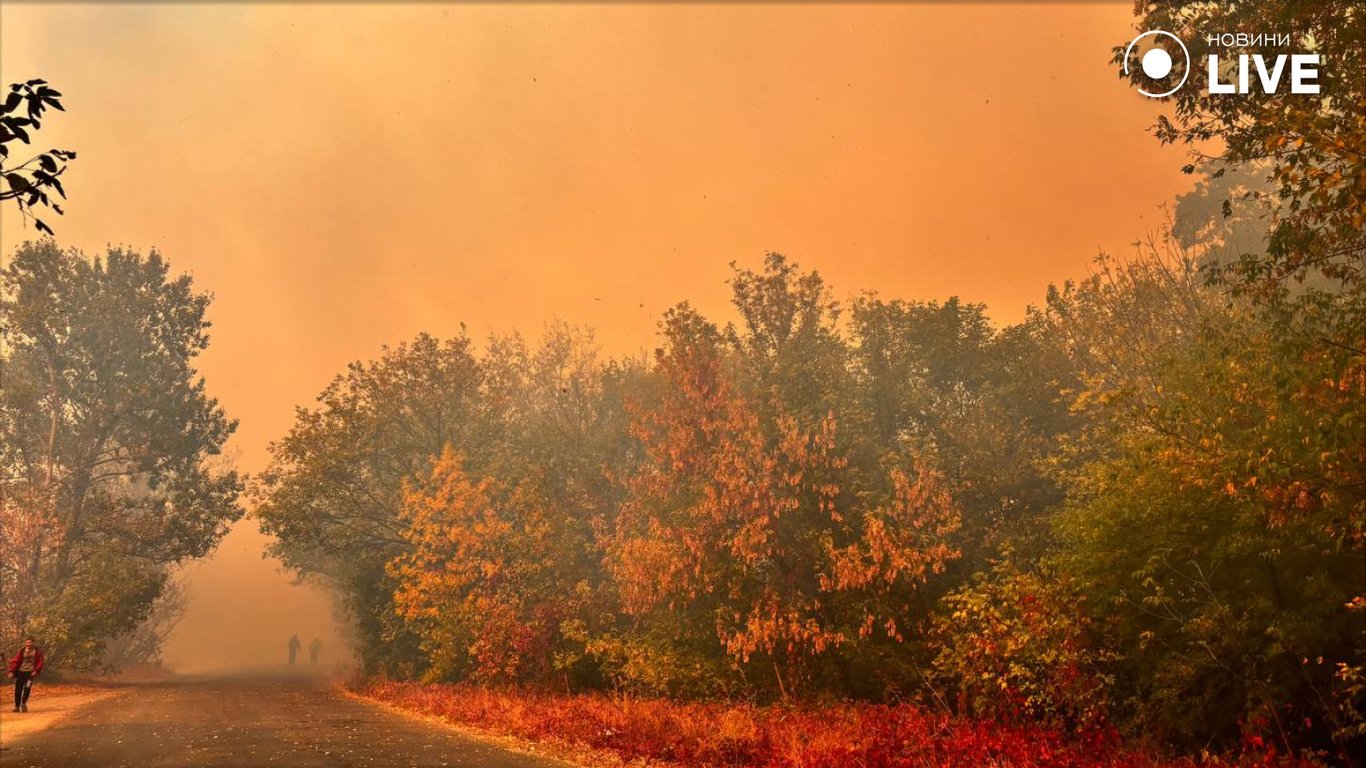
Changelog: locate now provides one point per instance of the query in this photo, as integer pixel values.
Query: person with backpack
(25, 667)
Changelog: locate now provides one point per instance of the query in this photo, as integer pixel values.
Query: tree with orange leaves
(745, 526)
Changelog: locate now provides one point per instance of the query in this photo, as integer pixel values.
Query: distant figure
(313, 648)
(24, 668)
(293, 648)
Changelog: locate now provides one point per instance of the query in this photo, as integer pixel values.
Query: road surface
(245, 722)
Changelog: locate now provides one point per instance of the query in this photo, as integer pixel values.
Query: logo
(1157, 64)
(1151, 54)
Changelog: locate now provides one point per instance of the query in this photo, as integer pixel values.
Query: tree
(985, 406)
(334, 488)
(503, 578)
(108, 443)
(1019, 645)
(1216, 518)
(1310, 146)
(30, 182)
(143, 644)
(750, 544)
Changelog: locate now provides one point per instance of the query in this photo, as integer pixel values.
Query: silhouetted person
(313, 648)
(24, 667)
(293, 648)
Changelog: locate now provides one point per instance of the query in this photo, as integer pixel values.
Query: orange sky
(346, 176)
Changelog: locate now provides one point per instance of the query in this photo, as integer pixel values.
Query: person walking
(313, 648)
(24, 668)
(293, 648)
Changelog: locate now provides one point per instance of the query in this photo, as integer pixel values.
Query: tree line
(1142, 506)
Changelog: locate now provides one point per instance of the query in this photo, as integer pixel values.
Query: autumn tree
(333, 491)
(745, 527)
(109, 443)
(503, 579)
(1242, 405)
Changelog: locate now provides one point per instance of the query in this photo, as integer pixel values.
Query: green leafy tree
(1309, 145)
(1216, 513)
(1019, 645)
(333, 491)
(986, 406)
(108, 443)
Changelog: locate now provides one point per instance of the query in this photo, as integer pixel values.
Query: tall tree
(1216, 512)
(749, 529)
(986, 406)
(504, 579)
(108, 442)
(334, 488)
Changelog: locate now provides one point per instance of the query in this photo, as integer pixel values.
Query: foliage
(542, 423)
(30, 182)
(747, 522)
(772, 509)
(332, 493)
(1217, 514)
(109, 443)
(1019, 646)
(142, 646)
(986, 406)
(740, 735)
(1310, 145)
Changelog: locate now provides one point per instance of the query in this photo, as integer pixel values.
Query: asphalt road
(246, 722)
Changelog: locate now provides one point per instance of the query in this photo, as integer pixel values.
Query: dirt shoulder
(246, 721)
(48, 705)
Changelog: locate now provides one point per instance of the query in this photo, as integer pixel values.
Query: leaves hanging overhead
(29, 182)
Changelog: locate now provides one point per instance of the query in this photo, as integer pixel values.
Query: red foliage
(730, 735)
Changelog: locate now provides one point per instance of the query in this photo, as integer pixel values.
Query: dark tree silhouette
(29, 183)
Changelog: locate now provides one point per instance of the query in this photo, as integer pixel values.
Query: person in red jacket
(24, 667)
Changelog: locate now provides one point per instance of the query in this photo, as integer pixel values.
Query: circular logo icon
(1156, 64)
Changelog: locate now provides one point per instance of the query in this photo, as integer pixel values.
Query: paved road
(245, 723)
